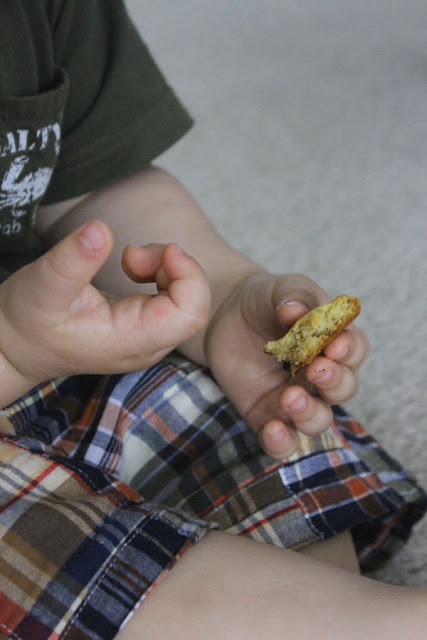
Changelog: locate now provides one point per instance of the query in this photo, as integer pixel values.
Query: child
(136, 423)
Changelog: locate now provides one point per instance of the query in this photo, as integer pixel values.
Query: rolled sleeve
(121, 113)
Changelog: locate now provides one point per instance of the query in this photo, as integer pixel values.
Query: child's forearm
(152, 207)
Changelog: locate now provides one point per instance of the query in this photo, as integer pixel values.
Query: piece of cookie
(311, 333)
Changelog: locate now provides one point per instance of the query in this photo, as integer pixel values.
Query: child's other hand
(53, 322)
(262, 308)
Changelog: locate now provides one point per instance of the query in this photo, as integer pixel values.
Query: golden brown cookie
(311, 333)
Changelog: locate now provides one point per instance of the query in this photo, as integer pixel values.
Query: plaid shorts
(106, 481)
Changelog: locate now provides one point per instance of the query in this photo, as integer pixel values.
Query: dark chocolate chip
(286, 366)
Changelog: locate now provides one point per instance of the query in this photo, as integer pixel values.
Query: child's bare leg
(338, 550)
(229, 587)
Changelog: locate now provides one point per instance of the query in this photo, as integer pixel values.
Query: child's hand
(262, 308)
(53, 322)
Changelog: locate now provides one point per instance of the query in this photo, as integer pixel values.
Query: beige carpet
(310, 155)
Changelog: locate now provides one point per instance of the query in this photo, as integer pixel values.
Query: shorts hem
(88, 621)
(112, 549)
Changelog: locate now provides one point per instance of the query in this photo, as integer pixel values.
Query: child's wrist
(14, 384)
(227, 299)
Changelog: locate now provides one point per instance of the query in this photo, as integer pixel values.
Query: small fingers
(182, 307)
(170, 268)
(334, 382)
(278, 439)
(141, 264)
(304, 413)
(350, 348)
(185, 280)
(309, 415)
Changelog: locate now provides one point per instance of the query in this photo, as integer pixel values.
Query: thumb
(291, 310)
(295, 296)
(56, 278)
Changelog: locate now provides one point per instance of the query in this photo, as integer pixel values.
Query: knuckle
(345, 391)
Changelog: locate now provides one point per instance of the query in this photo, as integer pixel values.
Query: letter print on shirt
(27, 158)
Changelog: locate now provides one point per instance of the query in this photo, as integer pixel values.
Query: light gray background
(309, 154)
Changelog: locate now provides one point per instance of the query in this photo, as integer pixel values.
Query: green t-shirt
(81, 103)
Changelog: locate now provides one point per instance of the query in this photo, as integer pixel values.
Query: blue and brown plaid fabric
(106, 481)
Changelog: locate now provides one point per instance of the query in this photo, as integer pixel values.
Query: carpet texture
(309, 154)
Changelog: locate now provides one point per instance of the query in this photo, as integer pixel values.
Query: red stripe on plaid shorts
(32, 485)
(273, 516)
(11, 614)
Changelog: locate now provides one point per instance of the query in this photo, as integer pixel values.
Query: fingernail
(342, 353)
(92, 236)
(323, 376)
(292, 303)
(179, 249)
(299, 404)
(274, 434)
